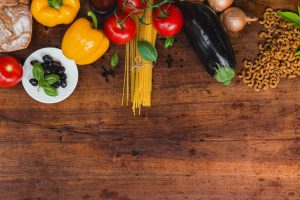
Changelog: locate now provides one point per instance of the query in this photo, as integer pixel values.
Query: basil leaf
(147, 51)
(297, 53)
(43, 83)
(291, 17)
(114, 61)
(38, 71)
(52, 78)
(169, 42)
(50, 91)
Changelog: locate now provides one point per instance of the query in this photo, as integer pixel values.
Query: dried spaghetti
(138, 72)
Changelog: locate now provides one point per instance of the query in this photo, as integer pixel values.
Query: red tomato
(131, 4)
(170, 24)
(11, 72)
(119, 34)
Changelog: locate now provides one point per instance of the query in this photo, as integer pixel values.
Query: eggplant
(209, 38)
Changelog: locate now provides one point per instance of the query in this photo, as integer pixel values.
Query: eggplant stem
(224, 74)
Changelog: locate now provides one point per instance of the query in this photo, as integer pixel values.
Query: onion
(220, 5)
(235, 19)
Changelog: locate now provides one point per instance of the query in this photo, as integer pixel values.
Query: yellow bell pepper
(54, 12)
(83, 43)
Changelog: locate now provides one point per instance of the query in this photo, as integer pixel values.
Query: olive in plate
(47, 58)
(63, 76)
(33, 82)
(47, 71)
(60, 70)
(33, 62)
(47, 64)
(56, 64)
(63, 83)
(55, 85)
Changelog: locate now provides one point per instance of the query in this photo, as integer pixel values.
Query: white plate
(71, 72)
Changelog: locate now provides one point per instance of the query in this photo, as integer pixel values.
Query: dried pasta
(138, 72)
(276, 59)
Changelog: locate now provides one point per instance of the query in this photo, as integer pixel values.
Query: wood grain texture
(199, 140)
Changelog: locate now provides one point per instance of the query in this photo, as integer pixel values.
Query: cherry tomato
(11, 72)
(131, 5)
(119, 33)
(170, 24)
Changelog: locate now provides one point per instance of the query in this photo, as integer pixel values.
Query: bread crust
(15, 26)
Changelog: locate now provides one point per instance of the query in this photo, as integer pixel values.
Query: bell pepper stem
(94, 18)
(55, 3)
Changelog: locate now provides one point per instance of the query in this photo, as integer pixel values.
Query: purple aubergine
(209, 38)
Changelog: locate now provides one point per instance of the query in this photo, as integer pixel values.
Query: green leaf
(114, 61)
(169, 42)
(43, 83)
(38, 71)
(50, 91)
(147, 51)
(291, 17)
(298, 10)
(52, 78)
(297, 53)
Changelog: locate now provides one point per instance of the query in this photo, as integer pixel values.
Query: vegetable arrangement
(135, 24)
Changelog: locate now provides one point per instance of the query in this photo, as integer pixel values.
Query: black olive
(47, 64)
(55, 85)
(47, 58)
(47, 70)
(33, 62)
(33, 82)
(56, 64)
(63, 76)
(63, 83)
(60, 70)
(54, 70)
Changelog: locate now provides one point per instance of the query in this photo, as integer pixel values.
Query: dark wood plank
(199, 140)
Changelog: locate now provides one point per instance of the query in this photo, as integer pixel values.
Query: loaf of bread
(15, 25)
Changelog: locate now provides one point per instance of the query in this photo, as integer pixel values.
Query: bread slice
(15, 27)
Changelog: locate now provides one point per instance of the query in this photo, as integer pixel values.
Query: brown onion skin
(220, 5)
(234, 19)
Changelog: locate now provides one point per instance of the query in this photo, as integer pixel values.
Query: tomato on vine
(120, 28)
(168, 20)
(128, 6)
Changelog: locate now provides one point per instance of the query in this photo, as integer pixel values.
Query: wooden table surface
(199, 140)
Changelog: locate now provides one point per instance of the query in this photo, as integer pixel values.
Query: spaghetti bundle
(138, 72)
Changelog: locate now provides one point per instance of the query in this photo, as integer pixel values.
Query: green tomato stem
(136, 10)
